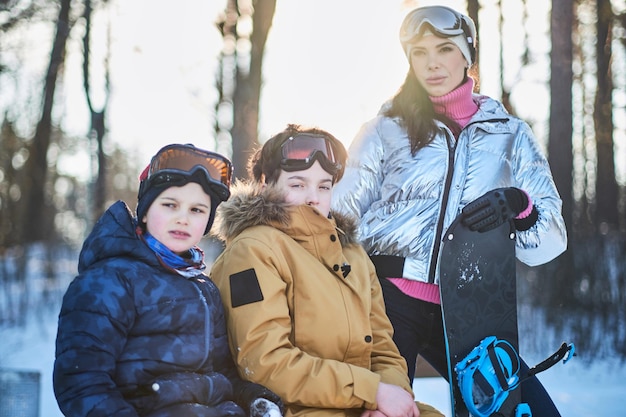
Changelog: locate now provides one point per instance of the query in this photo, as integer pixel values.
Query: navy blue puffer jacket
(135, 338)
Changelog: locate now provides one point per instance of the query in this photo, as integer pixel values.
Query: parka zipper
(442, 209)
(446, 194)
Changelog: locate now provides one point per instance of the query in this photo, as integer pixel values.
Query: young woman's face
(438, 64)
(178, 216)
(313, 187)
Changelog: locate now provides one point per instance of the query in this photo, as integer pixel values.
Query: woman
(434, 151)
(304, 308)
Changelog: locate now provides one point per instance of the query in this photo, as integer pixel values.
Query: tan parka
(305, 311)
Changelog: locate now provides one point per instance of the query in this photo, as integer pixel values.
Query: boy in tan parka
(304, 307)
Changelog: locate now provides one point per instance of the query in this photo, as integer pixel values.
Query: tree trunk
(560, 152)
(560, 149)
(248, 89)
(98, 127)
(606, 206)
(473, 7)
(37, 211)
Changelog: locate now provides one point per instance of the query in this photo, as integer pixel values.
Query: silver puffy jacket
(404, 201)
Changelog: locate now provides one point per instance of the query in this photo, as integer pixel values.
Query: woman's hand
(394, 401)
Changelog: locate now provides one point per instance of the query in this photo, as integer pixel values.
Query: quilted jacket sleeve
(96, 314)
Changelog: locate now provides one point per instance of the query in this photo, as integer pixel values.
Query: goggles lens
(176, 163)
(442, 20)
(300, 151)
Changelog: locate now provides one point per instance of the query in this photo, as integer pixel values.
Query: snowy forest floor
(591, 385)
(579, 389)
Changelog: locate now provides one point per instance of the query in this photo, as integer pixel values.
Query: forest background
(89, 89)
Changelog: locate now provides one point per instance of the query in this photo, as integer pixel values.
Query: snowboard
(478, 299)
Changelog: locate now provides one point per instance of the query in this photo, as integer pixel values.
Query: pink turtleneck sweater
(459, 107)
(458, 104)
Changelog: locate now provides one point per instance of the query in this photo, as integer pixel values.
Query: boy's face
(178, 216)
(313, 187)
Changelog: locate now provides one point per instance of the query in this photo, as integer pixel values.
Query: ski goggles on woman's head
(442, 20)
(300, 151)
(178, 164)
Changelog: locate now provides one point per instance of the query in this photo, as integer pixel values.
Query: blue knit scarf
(188, 267)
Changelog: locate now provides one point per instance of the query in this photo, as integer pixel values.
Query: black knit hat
(151, 194)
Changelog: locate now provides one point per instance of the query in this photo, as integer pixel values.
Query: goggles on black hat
(442, 20)
(300, 151)
(178, 164)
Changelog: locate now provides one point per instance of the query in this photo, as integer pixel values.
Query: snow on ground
(32, 349)
(578, 389)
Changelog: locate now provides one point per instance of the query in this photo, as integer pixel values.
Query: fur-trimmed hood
(251, 204)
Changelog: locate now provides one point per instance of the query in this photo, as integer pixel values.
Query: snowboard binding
(492, 370)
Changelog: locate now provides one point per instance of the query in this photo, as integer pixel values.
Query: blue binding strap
(487, 375)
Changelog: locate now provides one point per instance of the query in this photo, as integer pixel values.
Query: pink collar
(458, 104)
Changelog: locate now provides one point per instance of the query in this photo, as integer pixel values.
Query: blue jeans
(418, 330)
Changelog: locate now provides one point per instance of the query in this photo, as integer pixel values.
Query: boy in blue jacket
(141, 330)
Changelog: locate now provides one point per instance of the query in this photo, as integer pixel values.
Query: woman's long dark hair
(412, 105)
